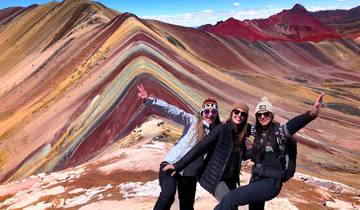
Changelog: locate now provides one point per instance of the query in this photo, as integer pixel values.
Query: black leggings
(186, 190)
(255, 194)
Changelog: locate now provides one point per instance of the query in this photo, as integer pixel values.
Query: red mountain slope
(235, 28)
(296, 24)
(346, 22)
(7, 14)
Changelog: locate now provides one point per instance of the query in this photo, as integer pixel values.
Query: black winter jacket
(219, 145)
(195, 167)
(270, 159)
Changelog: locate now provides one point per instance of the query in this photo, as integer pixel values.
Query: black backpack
(285, 148)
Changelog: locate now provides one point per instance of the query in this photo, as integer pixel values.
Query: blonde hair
(200, 130)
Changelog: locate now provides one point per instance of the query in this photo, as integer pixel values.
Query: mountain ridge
(296, 24)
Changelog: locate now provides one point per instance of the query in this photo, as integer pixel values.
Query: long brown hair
(240, 130)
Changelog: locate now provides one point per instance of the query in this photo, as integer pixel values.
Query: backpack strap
(282, 138)
(256, 154)
(273, 141)
(277, 140)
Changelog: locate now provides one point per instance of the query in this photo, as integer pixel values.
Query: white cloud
(319, 8)
(255, 14)
(209, 16)
(189, 19)
(236, 4)
(341, 0)
(207, 11)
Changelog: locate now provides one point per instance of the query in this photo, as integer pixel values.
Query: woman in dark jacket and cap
(225, 147)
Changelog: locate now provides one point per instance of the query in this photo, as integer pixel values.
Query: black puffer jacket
(196, 167)
(263, 153)
(219, 145)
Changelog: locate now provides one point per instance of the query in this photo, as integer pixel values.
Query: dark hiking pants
(186, 191)
(255, 194)
(168, 183)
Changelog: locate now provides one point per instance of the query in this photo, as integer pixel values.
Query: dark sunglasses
(242, 114)
(213, 111)
(266, 114)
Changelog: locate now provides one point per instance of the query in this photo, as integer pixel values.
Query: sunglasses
(242, 114)
(213, 111)
(266, 114)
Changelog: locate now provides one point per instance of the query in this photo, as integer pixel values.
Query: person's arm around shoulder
(300, 121)
(199, 149)
(174, 113)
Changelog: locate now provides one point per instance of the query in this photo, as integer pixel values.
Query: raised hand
(142, 94)
(316, 108)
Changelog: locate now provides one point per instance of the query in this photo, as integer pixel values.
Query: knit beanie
(209, 103)
(264, 105)
(241, 105)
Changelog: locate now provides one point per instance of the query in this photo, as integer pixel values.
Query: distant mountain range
(296, 24)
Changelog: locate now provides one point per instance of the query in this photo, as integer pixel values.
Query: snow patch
(86, 197)
(41, 175)
(25, 198)
(137, 189)
(39, 206)
(155, 145)
(150, 189)
(77, 190)
(339, 204)
(330, 185)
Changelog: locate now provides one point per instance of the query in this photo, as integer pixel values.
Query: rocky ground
(125, 177)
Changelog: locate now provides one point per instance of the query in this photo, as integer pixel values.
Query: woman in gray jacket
(195, 128)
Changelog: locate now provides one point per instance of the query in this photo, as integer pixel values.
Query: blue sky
(198, 12)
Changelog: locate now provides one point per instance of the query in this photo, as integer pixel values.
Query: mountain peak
(231, 19)
(298, 7)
